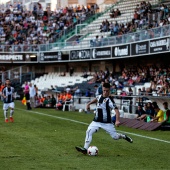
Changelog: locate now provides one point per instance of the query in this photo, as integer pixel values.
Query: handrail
(140, 35)
(108, 41)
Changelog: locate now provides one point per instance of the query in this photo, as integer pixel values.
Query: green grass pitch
(45, 139)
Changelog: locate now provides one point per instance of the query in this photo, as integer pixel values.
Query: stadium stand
(22, 28)
(44, 82)
(99, 30)
(19, 29)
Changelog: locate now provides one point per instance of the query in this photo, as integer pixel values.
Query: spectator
(150, 113)
(113, 90)
(71, 71)
(32, 94)
(159, 114)
(88, 92)
(140, 113)
(96, 89)
(166, 113)
(53, 101)
(52, 87)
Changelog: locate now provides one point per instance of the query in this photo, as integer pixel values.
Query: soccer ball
(80, 110)
(92, 151)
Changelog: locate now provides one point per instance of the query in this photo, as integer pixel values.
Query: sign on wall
(17, 57)
(159, 45)
(80, 54)
(53, 56)
(94, 53)
(101, 52)
(140, 48)
(121, 51)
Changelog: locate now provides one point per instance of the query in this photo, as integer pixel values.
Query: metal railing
(140, 35)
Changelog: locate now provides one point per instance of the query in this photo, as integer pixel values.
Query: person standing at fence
(27, 95)
(32, 94)
(103, 119)
(8, 99)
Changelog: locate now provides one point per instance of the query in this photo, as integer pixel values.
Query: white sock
(11, 113)
(86, 145)
(121, 136)
(5, 114)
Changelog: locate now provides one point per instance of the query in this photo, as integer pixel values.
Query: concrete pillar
(20, 74)
(54, 5)
(62, 3)
(134, 101)
(102, 65)
(82, 2)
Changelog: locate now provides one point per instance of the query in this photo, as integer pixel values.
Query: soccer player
(103, 119)
(8, 99)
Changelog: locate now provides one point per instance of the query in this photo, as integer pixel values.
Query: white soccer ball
(92, 151)
(80, 110)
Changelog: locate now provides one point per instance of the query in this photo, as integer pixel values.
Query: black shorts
(27, 96)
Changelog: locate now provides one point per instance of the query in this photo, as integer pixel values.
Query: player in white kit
(8, 99)
(103, 119)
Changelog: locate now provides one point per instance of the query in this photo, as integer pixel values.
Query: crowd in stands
(114, 13)
(158, 76)
(144, 18)
(151, 112)
(22, 28)
(147, 112)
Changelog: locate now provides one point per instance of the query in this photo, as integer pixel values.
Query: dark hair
(106, 85)
(165, 103)
(155, 105)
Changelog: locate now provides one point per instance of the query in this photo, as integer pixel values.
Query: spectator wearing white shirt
(32, 93)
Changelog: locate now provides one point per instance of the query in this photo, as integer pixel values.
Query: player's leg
(27, 96)
(32, 102)
(93, 127)
(5, 109)
(109, 128)
(12, 105)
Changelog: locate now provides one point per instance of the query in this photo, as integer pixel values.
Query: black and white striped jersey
(104, 105)
(9, 92)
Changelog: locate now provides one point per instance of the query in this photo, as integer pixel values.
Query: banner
(101, 53)
(80, 54)
(121, 51)
(18, 57)
(140, 48)
(53, 56)
(159, 45)
(94, 53)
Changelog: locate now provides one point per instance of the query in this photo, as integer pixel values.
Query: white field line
(75, 121)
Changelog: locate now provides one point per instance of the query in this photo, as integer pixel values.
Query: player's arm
(91, 102)
(157, 117)
(113, 106)
(117, 123)
(3, 93)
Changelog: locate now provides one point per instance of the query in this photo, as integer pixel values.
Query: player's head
(7, 82)
(106, 89)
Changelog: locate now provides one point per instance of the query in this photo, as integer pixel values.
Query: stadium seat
(68, 104)
(126, 106)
